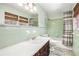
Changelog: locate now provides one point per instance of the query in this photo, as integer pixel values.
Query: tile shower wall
(55, 28)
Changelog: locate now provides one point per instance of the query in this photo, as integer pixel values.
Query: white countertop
(26, 48)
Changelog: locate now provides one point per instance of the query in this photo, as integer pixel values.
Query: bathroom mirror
(33, 21)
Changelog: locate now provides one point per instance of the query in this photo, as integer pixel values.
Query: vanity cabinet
(7, 18)
(76, 10)
(44, 51)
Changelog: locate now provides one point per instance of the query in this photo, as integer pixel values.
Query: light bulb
(35, 8)
(20, 4)
(26, 7)
(30, 5)
(31, 10)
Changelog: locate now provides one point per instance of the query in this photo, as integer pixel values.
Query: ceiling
(54, 10)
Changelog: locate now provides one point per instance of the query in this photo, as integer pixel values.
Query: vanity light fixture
(28, 6)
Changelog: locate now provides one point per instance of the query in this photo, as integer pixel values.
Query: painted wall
(76, 43)
(42, 17)
(55, 28)
(75, 38)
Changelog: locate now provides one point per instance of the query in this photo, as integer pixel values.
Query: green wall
(75, 37)
(55, 28)
(76, 43)
(42, 17)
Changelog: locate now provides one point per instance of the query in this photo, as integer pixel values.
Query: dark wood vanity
(76, 10)
(44, 51)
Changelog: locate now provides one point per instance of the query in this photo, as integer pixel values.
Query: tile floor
(59, 51)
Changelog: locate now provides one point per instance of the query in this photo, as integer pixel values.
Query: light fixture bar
(29, 6)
